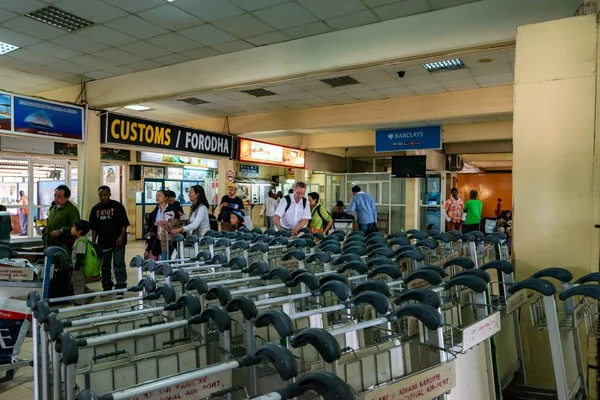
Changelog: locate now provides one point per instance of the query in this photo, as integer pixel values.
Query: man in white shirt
(293, 211)
(268, 209)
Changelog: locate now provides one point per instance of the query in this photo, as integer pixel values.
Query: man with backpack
(293, 212)
(109, 222)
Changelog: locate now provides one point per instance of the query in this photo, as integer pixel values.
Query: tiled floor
(21, 387)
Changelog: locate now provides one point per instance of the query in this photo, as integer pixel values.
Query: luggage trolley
(561, 323)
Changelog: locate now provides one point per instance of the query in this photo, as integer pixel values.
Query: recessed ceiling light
(7, 48)
(193, 101)
(340, 81)
(259, 92)
(444, 66)
(136, 107)
(59, 18)
(485, 60)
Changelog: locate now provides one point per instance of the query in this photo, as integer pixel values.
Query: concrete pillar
(224, 166)
(88, 165)
(300, 175)
(555, 172)
(411, 216)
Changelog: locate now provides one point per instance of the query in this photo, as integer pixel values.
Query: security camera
(401, 74)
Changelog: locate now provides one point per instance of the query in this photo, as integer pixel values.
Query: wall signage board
(6, 107)
(160, 158)
(249, 171)
(272, 154)
(33, 117)
(114, 154)
(129, 131)
(427, 137)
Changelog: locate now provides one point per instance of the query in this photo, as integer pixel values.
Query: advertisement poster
(114, 154)
(5, 112)
(65, 149)
(153, 173)
(267, 153)
(35, 117)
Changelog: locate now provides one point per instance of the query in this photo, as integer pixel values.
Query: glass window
(150, 189)
(385, 193)
(430, 190)
(112, 177)
(74, 186)
(397, 218)
(398, 195)
(176, 187)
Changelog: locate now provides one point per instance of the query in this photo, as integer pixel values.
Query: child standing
(85, 259)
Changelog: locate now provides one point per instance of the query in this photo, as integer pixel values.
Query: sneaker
(120, 296)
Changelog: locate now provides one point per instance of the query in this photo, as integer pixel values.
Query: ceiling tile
(98, 75)
(461, 88)
(122, 70)
(368, 95)
(170, 17)
(393, 91)
(209, 10)
(34, 28)
(325, 92)
(332, 8)
(426, 87)
(370, 76)
(507, 77)
(137, 27)
(22, 6)
(232, 47)
(251, 5)
(282, 89)
(80, 43)
(354, 88)
(416, 80)
(340, 98)
(268, 38)
(276, 99)
(317, 101)
(95, 11)
(207, 34)
(286, 16)
(106, 35)
(311, 85)
(510, 54)
(235, 95)
(438, 4)
(174, 42)
(377, 3)
(5, 15)
(31, 56)
(144, 65)
(171, 59)
(402, 9)
(118, 56)
(316, 28)
(299, 95)
(144, 49)
(135, 6)
(491, 70)
(54, 50)
(384, 84)
(244, 26)
(494, 58)
(200, 53)
(352, 20)
(459, 83)
(452, 75)
(93, 62)
(72, 67)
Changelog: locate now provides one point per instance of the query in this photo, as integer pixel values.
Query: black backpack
(289, 202)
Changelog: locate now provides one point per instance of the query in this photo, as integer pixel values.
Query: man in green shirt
(473, 208)
(61, 217)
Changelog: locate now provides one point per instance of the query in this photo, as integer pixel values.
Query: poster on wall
(65, 149)
(114, 154)
(36, 118)
(153, 173)
(267, 153)
(5, 112)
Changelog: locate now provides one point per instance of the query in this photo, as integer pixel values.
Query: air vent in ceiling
(194, 101)
(444, 66)
(59, 18)
(259, 92)
(340, 81)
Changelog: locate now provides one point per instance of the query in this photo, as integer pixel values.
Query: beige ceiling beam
(484, 131)
(497, 146)
(448, 32)
(440, 106)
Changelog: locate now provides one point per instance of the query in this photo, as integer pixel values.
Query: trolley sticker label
(515, 301)
(194, 389)
(579, 314)
(481, 330)
(418, 284)
(16, 274)
(425, 385)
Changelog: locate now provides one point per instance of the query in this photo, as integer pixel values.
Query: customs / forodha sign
(125, 130)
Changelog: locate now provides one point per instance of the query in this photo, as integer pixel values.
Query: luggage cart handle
(592, 291)
(203, 255)
(237, 262)
(377, 300)
(164, 269)
(243, 304)
(180, 275)
(390, 270)
(325, 384)
(399, 241)
(136, 262)
(334, 277)
(423, 296)
(465, 238)
(217, 314)
(187, 300)
(431, 244)
(68, 347)
(53, 251)
(223, 242)
(149, 265)
(443, 237)
(339, 289)
(54, 327)
(560, 274)
(499, 265)
(441, 272)
(198, 284)
(373, 286)
(593, 277)
(280, 272)
(42, 311)
(319, 256)
(426, 314)
(492, 239)
(541, 286)
(33, 298)
(473, 282)
(219, 292)
(258, 266)
(218, 259)
(324, 342)
(355, 265)
(279, 320)
(462, 262)
(282, 359)
(308, 279)
(294, 255)
(475, 272)
(382, 252)
(431, 277)
(240, 244)
(146, 284)
(165, 291)
(416, 255)
(379, 261)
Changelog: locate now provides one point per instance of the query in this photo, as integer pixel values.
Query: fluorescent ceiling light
(59, 18)
(7, 48)
(136, 107)
(444, 66)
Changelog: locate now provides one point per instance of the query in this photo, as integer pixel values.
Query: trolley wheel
(10, 374)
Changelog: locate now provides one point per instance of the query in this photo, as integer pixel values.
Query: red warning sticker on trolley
(194, 389)
(423, 385)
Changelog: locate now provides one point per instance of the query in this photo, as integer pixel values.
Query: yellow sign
(268, 153)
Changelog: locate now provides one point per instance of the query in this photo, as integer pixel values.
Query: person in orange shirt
(23, 201)
(453, 211)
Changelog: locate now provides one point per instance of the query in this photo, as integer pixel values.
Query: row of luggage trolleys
(348, 314)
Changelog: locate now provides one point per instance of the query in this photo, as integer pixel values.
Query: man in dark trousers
(109, 222)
